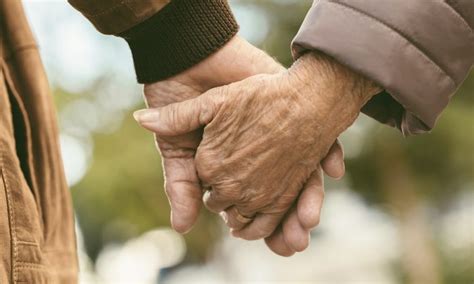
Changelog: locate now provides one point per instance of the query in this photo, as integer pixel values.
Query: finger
(333, 163)
(234, 219)
(267, 220)
(311, 200)
(277, 243)
(183, 191)
(180, 118)
(179, 145)
(262, 226)
(216, 202)
(295, 235)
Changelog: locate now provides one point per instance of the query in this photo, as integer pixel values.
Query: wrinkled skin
(182, 183)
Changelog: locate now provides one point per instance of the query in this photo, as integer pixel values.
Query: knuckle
(231, 189)
(249, 208)
(254, 199)
(173, 117)
(204, 165)
(214, 100)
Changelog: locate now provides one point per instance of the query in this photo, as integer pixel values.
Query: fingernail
(224, 216)
(145, 115)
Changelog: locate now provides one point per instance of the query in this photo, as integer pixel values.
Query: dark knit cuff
(179, 36)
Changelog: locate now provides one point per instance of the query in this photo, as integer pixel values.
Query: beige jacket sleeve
(419, 51)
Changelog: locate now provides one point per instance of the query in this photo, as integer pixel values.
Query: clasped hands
(249, 140)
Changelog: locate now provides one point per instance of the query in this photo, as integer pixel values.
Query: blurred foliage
(285, 18)
(441, 160)
(407, 175)
(122, 195)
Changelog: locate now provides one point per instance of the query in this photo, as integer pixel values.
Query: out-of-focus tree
(415, 176)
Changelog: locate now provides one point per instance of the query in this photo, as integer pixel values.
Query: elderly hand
(236, 61)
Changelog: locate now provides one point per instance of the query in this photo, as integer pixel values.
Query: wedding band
(242, 218)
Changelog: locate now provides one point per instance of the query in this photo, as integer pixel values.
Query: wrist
(340, 83)
(234, 62)
(336, 93)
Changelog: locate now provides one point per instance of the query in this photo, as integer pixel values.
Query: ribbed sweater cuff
(179, 36)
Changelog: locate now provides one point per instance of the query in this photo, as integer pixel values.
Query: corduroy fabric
(182, 34)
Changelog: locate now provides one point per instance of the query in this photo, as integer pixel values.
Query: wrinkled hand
(182, 184)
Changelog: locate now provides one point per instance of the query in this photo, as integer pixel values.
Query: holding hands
(253, 151)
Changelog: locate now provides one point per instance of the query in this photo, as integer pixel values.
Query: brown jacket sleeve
(419, 51)
(165, 36)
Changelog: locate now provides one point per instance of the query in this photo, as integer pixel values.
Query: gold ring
(242, 218)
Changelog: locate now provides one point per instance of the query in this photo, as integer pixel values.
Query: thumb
(180, 118)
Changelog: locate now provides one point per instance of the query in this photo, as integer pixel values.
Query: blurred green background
(404, 213)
